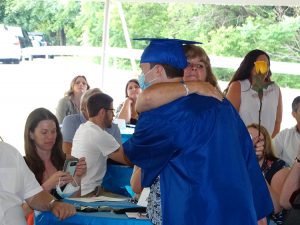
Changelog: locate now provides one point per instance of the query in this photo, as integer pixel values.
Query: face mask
(68, 191)
(143, 84)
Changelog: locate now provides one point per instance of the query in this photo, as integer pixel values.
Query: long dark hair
(246, 66)
(32, 159)
(131, 81)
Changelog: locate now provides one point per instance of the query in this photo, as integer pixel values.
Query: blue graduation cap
(165, 51)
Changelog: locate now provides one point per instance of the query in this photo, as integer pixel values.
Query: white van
(13, 40)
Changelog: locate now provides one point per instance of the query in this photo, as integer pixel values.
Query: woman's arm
(135, 180)
(159, 94)
(125, 112)
(278, 116)
(61, 109)
(291, 184)
(234, 94)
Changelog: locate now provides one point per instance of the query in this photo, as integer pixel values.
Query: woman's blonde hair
(70, 92)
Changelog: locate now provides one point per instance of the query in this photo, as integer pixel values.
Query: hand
(206, 89)
(81, 167)
(128, 101)
(63, 210)
(259, 145)
(26, 209)
(53, 180)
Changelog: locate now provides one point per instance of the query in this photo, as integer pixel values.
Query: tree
(49, 16)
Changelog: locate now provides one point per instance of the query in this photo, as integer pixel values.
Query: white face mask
(69, 189)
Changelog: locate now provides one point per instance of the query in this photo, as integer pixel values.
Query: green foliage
(89, 23)
(49, 16)
(223, 74)
(286, 80)
(278, 39)
(144, 21)
(224, 30)
(2, 10)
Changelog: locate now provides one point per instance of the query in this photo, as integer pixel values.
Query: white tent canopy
(226, 2)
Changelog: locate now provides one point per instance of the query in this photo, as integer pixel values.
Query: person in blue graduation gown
(199, 148)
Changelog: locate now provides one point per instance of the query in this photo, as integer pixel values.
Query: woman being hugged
(246, 101)
(127, 109)
(70, 104)
(198, 78)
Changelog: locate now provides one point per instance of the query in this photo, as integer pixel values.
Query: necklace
(76, 106)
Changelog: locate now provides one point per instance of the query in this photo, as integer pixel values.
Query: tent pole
(105, 42)
(126, 34)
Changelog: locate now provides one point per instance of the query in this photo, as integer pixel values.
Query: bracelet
(297, 160)
(187, 91)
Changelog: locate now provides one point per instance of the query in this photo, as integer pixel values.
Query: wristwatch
(297, 160)
(51, 203)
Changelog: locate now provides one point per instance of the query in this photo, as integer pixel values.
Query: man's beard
(108, 122)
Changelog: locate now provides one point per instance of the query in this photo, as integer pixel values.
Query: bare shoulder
(235, 86)
(234, 94)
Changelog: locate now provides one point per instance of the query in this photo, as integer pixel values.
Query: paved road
(41, 83)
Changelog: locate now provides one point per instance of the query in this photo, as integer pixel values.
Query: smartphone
(70, 166)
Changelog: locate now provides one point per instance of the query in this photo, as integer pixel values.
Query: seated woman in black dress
(274, 170)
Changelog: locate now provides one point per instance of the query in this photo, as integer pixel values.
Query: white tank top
(249, 108)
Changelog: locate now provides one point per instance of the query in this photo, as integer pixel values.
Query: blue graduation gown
(204, 156)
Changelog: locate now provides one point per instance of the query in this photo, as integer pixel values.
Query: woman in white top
(246, 101)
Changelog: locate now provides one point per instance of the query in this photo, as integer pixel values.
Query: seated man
(17, 184)
(96, 145)
(71, 123)
(287, 141)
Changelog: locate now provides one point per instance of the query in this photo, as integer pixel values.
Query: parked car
(10, 48)
(20, 40)
(37, 39)
(22, 34)
(24, 40)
